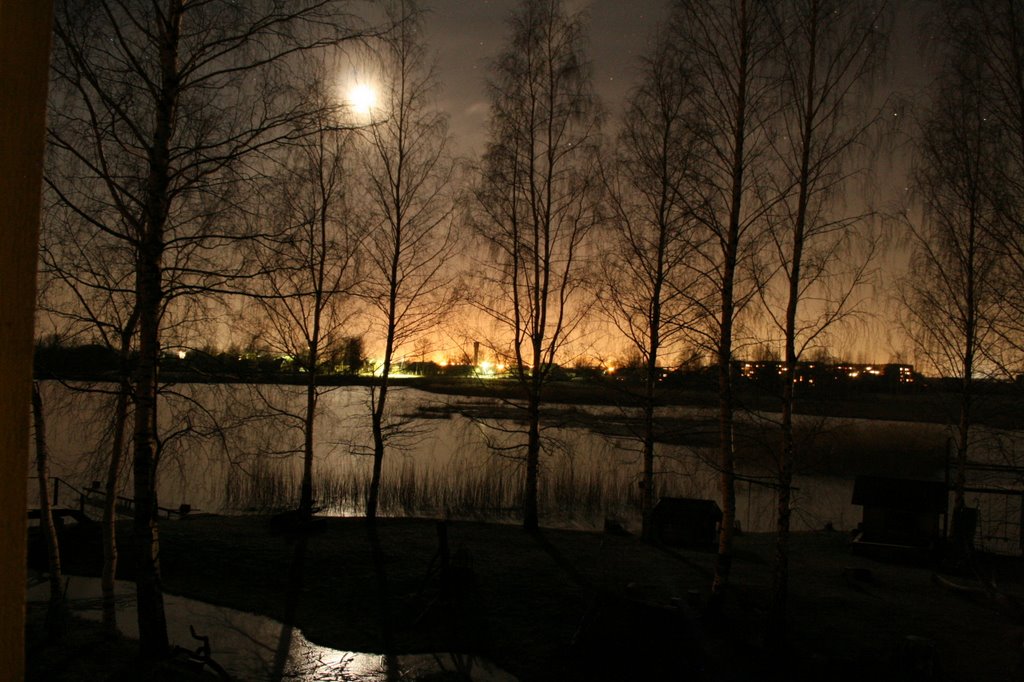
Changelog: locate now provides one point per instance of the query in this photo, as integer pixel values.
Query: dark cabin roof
(688, 507)
(905, 494)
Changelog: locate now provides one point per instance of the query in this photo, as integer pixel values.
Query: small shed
(900, 511)
(686, 521)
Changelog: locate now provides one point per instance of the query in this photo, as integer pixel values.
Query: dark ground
(569, 605)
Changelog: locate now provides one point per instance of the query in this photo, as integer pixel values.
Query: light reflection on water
(254, 648)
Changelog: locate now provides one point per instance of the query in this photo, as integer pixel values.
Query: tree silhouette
(647, 280)
(537, 201)
(953, 296)
(86, 292)
(829, 53)
(159, 104)
(305, 246)
(731, 48)
(411, 203)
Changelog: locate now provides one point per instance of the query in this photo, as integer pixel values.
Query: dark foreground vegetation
(567, 605)
(87, 654)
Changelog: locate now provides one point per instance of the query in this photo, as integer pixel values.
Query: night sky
(466, 35)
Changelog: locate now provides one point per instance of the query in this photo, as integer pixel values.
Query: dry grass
(492, 491)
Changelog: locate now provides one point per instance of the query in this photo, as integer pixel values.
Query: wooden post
(24, 60)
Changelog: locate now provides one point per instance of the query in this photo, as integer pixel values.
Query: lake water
(236, 448)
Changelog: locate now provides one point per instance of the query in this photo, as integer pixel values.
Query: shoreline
(916, 405)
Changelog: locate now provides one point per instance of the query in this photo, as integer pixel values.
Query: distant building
(819, 375)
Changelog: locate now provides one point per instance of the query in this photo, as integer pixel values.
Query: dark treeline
(97, 362)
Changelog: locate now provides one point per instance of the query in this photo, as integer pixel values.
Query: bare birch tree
(537, 201)
(306, 250)
(158, 103)
(731, 47)
(86, 288)
(56, 610)
(992, 34)
(646, 273)
(830, 50)
(953, 294)
(409, 176)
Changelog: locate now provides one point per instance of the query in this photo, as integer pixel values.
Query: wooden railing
(94, 497)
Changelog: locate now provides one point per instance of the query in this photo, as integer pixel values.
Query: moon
(362, 98)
